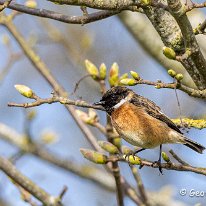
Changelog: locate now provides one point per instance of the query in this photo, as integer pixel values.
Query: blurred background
(64, 47)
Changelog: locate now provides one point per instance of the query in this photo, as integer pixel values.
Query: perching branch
(167, 166)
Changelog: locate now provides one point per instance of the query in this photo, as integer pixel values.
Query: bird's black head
(112, 97)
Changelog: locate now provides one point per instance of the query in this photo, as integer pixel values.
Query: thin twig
(39, 101)
(178, 158)
(140, 185)
(96, 16)
(79, 81)
(195, 6)
(179, 107)
(63, 192)
(119, 190)
(5, 5)
(167, 166)
(27, 184)
(103, 179)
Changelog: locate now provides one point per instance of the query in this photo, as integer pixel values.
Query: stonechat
(140, 121)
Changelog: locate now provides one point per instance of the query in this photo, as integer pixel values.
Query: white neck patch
(120, 103)
(126, 99)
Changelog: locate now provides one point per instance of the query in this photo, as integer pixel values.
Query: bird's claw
(159, 166)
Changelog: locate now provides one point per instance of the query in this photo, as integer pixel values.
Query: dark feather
(152, 109)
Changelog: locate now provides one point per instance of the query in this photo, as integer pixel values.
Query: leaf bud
(179, 77)
(169, 53)
(172, 73)
(114, 75)
(135, 75)
(126, 150)
(92, 69)
(128, 82)
(94, 156)
(24, 90)
(109, 147)
(165, 157)
(102, 71)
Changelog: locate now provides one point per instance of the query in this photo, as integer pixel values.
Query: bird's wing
(153, 110)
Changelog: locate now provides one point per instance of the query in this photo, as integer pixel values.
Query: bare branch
(55, 99)
(195, 6)
(140, 185)
(10, 135)
(193, 59)
(5, 5)
(85, 19)
(27, 184)
(98, 4)
(119, 189)
(167, 166)
(178, 158)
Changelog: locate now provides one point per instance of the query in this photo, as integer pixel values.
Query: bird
(141, 122)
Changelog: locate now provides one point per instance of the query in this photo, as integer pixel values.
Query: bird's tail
(194, 145)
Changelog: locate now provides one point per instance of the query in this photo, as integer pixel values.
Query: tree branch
(5, 5)
(98, 176)
(85, 19)
(193, 59)
(167, 166)
(39, 101)
(27, 184)
(140, 185)
(99, 4)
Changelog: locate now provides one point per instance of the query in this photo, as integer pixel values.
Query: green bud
(124, 76)
(128, 82)
(93, 156)
(165, 157)
(31, 115)
(24, 90)
(31, 4)
(109, 147)
(88, 118)
(134, 160)
(135, 75)
(126, 150)
(117, 141)
(92, 69)
(169, 53)
(48, 137)
(102, 71)
(145, 2)
(158, 86)
(114, 75)
(179, 77)
(172, 73)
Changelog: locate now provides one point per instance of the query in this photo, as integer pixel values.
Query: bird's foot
(158, 163)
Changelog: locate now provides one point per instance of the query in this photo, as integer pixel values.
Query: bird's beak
(99, 103)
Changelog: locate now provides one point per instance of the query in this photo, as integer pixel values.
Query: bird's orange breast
(139, 128)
